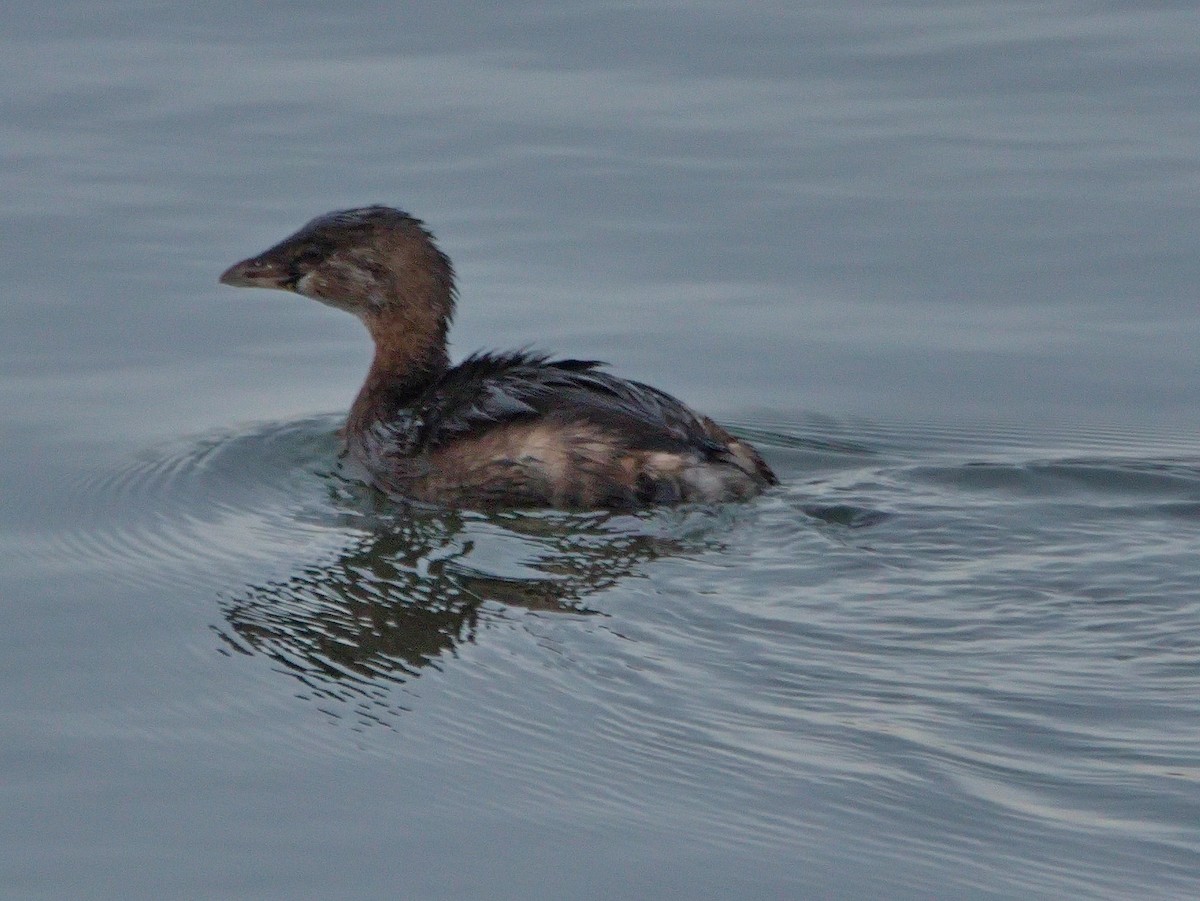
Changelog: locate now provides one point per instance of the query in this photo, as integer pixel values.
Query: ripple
(893, 637)
(858, 437)
(1177, 481)
(366, 593)
(177, 514)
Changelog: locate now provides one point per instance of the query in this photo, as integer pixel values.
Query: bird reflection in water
(409, 588)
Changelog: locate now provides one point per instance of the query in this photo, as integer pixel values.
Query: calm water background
(939, 259)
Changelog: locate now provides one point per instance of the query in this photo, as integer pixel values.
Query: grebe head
(376, 262)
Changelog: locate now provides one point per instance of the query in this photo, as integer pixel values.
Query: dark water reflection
(407, 592)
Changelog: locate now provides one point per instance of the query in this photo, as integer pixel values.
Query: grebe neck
(410, 356)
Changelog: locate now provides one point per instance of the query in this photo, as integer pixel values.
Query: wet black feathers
(489, 389)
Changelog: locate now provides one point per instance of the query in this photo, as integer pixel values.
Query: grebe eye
(310, 257)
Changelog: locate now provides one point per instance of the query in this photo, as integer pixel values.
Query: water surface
(938, 260)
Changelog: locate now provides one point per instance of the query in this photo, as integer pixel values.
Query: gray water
(938, 260)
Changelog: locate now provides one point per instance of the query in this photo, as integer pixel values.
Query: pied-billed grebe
(497, 430)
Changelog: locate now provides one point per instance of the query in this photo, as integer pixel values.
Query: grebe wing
(490, 389)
